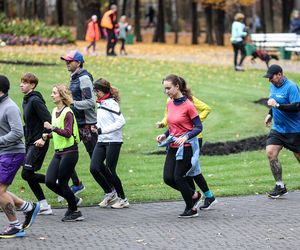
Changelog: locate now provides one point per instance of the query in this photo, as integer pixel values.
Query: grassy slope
(230, 94)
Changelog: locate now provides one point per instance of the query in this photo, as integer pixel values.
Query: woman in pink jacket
(92, 34)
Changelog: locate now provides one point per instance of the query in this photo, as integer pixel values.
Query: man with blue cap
(284, 101)
(81, 86)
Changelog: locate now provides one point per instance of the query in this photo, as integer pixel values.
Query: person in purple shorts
(12, 155)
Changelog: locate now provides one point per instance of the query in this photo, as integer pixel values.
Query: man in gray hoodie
(12, 155)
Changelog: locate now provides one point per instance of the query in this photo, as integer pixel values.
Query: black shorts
(35, 157)
(290, 141)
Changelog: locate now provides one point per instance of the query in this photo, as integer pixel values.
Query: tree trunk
(159, 35)
(287, 8)
(60, 12)
(124, 7)
(85, 9)
(175, 20)
(195, 27)
(40, 9)
(219, 26)
(209, 26)
(20, 8)
(137, 24)
(268, 15)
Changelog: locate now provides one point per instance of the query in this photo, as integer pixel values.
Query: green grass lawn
(234, 116)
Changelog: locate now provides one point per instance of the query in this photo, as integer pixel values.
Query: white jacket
(110, 120)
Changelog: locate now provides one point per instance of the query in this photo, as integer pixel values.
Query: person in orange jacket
(92, 34)
(109, 24)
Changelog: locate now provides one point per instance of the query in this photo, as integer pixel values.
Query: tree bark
(85, 9)
(60, 12)
(268, 15)
(219, 26)
(137, 24)
(159, 35)
(175, 20)
(209, 26)
(124, 7)
(195, 27)
(287, 8)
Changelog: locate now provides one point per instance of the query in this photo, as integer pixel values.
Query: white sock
(44, 203)
(280, 183)
(15, 223)
(27, 206)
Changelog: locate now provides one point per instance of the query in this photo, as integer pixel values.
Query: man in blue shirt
(284, 101)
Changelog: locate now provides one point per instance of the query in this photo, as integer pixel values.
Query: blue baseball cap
(73, 55)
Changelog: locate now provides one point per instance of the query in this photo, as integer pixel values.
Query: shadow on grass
(27, 63)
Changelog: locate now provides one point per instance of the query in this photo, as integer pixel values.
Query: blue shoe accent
(30, 216)
(77, 189)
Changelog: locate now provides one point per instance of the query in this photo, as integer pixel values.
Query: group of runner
(75, 119)
(84, 112)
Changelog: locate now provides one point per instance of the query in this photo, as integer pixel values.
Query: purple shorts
(9, 166)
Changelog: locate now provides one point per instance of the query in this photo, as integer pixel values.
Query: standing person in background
(65, 139)
(84, 106)
(109, 123)
(123, 30)
(151, 16)
(109, 24)
(203, 110)
(35, 113)
(284, 101)
(92, 34)
(295, 22)
(184, 125)
(12, 155)
(238, 34)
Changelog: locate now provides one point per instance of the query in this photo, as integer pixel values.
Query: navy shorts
(290, 141)
(9, 166)
(35, 157)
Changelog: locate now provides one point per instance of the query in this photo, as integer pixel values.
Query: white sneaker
(60, 198)
(45, 210)
(109, 199)
(121, 203)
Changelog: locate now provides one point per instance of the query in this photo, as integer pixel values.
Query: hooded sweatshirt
(35, 113)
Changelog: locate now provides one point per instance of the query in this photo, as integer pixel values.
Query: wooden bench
(284, 42)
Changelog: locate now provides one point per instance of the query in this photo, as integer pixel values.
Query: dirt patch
(27, 63)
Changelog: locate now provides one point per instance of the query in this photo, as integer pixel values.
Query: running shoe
(45, 210)
(208, 203)
(189, 214)
(120, 203)
(77, 189)
(72, 216)
(12, 232)
(30, 216)
(109, 199)
(278, 192)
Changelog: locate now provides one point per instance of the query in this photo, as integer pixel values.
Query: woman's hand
(159, 125)
(94, 129)
(160, 138)
(181, 140)
(39, 143)
(48, 125)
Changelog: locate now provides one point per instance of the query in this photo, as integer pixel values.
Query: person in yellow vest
(65, 137)
(203, 110)
(109, 24)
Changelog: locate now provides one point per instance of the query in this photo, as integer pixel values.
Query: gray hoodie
(11, 129)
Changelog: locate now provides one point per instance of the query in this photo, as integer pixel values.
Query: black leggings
(61, 167)
(123, 41)
(33, 162)
(174, 171)
(240, 46)
(111, 41)
(92, 44)
(89, 140)
(105, 173)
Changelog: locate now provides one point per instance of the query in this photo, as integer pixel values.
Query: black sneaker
(30, 216)
(72, 216)
(12, 232)
(277, 192)
(188, 214)
(208, 203)
(197, 201)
